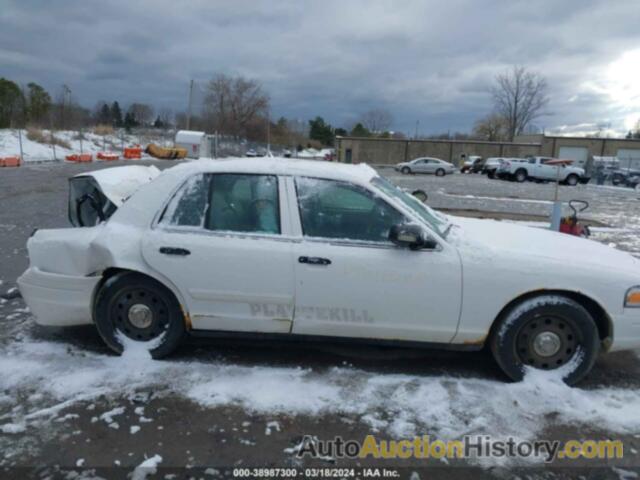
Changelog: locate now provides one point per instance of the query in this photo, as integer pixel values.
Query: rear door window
(226, 202)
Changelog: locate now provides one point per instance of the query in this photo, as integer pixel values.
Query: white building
(196, 143)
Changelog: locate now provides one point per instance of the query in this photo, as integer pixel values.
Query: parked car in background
(625, 177)
(473, 164)
(426, 165)
(311, 250)
(536, 168)
(504, 170)
(490, 166)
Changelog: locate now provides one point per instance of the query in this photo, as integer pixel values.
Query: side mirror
(410, 236)
(420, 195)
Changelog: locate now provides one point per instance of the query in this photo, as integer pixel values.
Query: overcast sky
(426, 61)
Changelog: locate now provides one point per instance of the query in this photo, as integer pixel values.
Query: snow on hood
(492, 237)
(119, 183)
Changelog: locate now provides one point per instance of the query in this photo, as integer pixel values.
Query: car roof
(360, 173)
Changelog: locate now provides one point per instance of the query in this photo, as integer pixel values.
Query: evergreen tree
(38, 103)
(116, 115)
(158, 123)
(11, 101)
(360, 130)
(104, 116)
(321, 131)
(129, 121)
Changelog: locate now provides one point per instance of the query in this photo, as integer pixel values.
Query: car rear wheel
(440, 172)
(134, 307)
(546, 332)
(405, 170)
(521, 175)
(572, 180)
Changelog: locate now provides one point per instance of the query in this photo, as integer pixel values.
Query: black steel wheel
(546, 332)
(142, 310)
(548, 342)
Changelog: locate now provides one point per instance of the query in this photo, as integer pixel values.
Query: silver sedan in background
(426, 165)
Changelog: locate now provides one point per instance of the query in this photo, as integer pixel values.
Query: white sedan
(434, 166)
(312, 250)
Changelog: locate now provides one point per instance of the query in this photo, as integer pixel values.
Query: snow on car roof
(360, 173)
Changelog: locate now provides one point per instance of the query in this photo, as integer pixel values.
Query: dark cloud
(430, 61)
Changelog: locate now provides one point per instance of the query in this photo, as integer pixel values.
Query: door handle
(183, 252)
(314, 260)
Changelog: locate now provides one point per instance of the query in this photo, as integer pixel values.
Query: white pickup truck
(536, 168)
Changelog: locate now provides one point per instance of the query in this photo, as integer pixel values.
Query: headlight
(632, 298)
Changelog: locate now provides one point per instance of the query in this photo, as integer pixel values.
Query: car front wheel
(440, 172)
(546, 332)
(132, 307)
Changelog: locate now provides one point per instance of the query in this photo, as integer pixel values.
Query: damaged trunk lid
(95, 196)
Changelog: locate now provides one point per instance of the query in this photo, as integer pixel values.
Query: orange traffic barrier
(107, 156)
(85, 158)
(133, 152)
(10, 162)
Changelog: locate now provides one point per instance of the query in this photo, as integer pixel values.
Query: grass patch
(37, 135)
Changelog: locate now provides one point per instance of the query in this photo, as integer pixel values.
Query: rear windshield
(88, 206)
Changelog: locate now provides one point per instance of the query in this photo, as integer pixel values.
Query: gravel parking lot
(216, 405)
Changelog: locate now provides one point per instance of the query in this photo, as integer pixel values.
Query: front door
(220, 241)
(351, 281)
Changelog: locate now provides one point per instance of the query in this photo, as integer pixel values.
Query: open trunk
(95, 196)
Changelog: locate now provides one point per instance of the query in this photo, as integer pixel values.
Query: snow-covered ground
(42, 380)
(90, 142)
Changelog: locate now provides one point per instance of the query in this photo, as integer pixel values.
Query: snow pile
(91, 143)
(146, 468)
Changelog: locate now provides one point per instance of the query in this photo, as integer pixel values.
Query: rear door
(222, 240)
(419, 166)
(548, 172)
(430, 165)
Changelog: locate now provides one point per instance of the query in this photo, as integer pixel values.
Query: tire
(440, 172)
(405, 170)
(556, 322)
(123, 293)
(572, 180)
(616, 180)
(521, 175)
(491, 175)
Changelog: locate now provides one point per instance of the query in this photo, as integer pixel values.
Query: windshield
(436, 221)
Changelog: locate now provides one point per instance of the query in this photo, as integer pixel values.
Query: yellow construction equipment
(165, 152)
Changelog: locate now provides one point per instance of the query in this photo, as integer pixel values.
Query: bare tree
(519, 96)
(142, 113)
(165, 115)
(491, 128)
(234, 103)
(376, 120)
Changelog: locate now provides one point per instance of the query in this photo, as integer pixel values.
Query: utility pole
(268, 135)
(189, 105)
(417, 125)
(66, 96)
